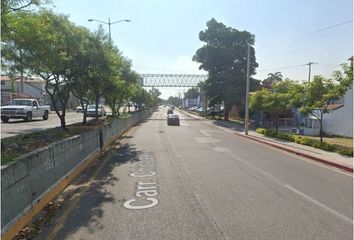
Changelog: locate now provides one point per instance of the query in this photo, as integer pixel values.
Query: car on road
(79, 109)
(173, 119)
(25, 108)
(169, 111)
(91, 111)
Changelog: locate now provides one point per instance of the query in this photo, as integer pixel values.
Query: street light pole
(109, 23)
(247, 89)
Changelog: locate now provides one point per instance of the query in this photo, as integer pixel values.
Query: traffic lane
(268, 183)
(202, 193)
(332, 186)
(106, 210)
(17, 126)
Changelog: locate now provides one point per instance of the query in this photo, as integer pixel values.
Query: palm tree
(276, 77)
(272, 78)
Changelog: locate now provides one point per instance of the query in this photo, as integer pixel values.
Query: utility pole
(21, 80)
(109, 31)
(309, 64)
(247, 89)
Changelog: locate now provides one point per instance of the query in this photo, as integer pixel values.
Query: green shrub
(261, 130)
(327, 147)
(346, 152)
(284, 136)
(306, 141)
(297, 139)
(271, 133)
(303, 140)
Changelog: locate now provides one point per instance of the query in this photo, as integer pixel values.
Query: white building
(339, 121)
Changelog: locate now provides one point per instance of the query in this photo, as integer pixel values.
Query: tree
(45, 41)
(142, 97)
(123, 88)
(154, 93)
(9, 8)
(102, 68)
(272, 103)
(319, 94)
(192, 93)
(272, 78)
(285, 95)
(174, 101)
(224, 57)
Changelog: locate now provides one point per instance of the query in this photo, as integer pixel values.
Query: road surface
(199, 181)
(19, 126)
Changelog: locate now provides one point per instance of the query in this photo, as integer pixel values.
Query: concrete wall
(340, 121)
(32, 176)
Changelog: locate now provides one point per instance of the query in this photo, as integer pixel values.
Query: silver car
(91, 111)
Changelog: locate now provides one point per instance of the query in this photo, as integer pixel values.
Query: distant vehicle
(91, 111)
(25, 109)
(169, 111)
(173, 119)
(79, 109)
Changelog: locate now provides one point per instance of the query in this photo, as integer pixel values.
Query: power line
(281, 68)
(323, 29)
(307, 34)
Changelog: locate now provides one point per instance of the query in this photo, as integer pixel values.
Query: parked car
(91, 111)
(24, 108)
(173, 119)
(79, 109)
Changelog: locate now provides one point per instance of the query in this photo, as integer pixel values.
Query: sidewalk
(329, 158)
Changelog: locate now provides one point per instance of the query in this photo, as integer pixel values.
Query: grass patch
(13, 147)
(338, 141)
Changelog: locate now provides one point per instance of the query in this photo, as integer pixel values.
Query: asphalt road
(19, 126)
(199, 181)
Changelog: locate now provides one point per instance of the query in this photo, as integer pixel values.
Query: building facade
(339, 121)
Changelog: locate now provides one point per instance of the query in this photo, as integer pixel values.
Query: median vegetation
(306, 141)
(14, 147)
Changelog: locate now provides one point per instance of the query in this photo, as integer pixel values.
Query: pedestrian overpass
(172, 80)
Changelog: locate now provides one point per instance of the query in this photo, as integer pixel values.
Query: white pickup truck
(25, 109)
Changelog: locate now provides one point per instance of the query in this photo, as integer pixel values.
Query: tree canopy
(70, 59)
(192, 93)
(224, 57)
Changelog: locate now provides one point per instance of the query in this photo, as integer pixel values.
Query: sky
(163, 35)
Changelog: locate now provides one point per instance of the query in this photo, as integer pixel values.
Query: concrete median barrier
(36, 178)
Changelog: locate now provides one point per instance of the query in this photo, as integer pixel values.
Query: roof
(334, 106)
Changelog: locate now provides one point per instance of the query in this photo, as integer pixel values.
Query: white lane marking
(282, 151)
(276, 180)
(319, 204)
(206, 132)
(221, 149)
(206, 140)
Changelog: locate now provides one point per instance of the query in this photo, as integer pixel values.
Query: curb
(333, 164)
